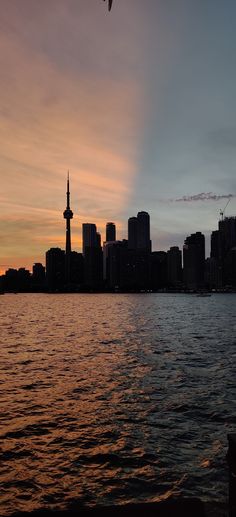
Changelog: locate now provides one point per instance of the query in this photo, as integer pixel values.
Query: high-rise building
(132, 233)
(194, 261)
(76, 270)
(227, 242)
(110, 232)
(38, 276)
(98, 238)
(113, 252)
(55, 269)
(139, 232)
(213, 265)
(143, 231)
(106, 259)
(158, 270)
(174, 266)
(215, 244)
(90, 239)
(227, 231)
(92, 252)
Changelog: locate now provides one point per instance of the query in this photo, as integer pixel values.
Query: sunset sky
(139, 104)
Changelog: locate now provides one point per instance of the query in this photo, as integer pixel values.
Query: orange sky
(56, 119)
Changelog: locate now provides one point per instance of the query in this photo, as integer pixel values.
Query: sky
(138, 104)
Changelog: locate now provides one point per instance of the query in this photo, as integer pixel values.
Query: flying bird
(109, 4)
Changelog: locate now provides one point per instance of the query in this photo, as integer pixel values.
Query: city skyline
(138, 103)
(68, 244)
(130, 264)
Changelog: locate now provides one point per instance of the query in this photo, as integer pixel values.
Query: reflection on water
(114, 398)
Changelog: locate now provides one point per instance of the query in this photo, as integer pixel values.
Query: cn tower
(68, 215)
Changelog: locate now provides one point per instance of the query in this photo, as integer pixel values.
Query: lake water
(113, 398)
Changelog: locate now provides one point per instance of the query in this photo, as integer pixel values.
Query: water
(107, 399)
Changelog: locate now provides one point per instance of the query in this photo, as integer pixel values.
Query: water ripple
(109, 399)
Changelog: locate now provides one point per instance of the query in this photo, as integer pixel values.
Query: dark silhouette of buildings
(113, 260)
(55, 269)
(107, 245)
(17, 280)
(137, 259)
(143, 232)
(130, 265)
(139, 232)
(90, 239)
(76, 270)
(132, 233)
(221, 266)
(110, 232)
(158, 270)
(92, 253)
(38, 279)
(194, 261)
(174, 267)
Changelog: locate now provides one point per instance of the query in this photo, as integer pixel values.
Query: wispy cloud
(204, 196)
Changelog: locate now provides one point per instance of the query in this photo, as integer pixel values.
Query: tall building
(227, 243)
(98, 239)
(92, 253)
(215, 244)
(174, 266)
(213, 266)
(76, 270)
(113, 252)
(106, 259)
(158, 270)
(68, 215)
(194, 261)
(143, 231)
(139, 232)
(55, 269)
(132, 233)
(227, 231)
(110, 232)
(90, 238)
(38, 276)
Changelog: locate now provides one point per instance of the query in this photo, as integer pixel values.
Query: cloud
(204, 196)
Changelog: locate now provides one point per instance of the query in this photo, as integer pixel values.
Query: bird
(109, 4)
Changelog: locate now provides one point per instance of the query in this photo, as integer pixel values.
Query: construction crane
(109, 4)
(222, 212)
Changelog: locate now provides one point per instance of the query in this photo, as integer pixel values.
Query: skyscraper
(55, 269)
(110, 232)
(139, 232)
(174, 266)
(132, 233)
(68, 215)
(194, 260)
(92, 252)
(143, 231)
(90, 238)
(227, 242)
